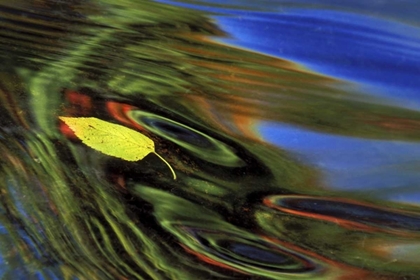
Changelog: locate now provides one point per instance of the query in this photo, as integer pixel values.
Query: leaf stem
(167, 163)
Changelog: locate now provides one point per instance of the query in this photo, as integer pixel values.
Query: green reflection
(196, 142)
(91, 217)
(185, 220)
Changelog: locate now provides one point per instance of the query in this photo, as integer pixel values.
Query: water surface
(293, 130)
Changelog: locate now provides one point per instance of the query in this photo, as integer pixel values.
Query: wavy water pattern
(350, 41)
(293, 129)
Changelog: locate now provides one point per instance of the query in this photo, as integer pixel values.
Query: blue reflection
(258, 254)
(339, 44)
(362, 214)
(352, 163)
(377, 45)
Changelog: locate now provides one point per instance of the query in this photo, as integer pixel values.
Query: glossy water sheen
(293, 128)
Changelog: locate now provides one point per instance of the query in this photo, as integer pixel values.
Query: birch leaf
(113, 139)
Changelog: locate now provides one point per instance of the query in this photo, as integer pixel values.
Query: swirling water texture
(255, 197)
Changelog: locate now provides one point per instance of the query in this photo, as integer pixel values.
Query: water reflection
(283, 172)
(199, 144)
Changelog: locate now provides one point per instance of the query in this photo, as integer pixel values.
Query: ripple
(247, 254)
(197, 143)
(347, 213)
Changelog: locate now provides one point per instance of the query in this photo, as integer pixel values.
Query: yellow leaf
(113, 139)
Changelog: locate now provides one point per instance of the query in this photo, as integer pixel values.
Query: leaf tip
(64, 119)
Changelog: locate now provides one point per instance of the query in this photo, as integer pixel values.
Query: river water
(293, 128)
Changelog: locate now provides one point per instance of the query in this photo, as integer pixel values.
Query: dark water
(293, 129)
